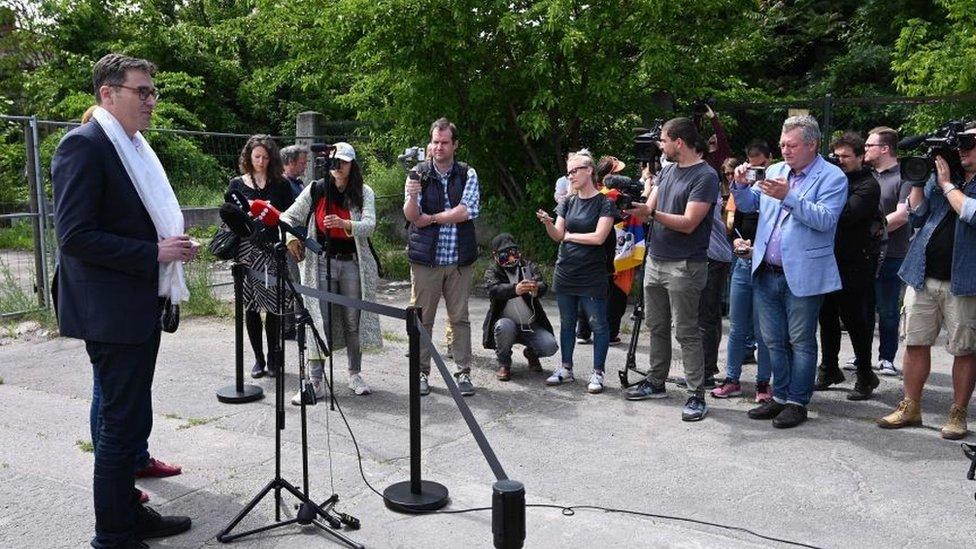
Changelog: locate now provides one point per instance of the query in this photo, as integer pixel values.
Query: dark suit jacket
(108, 273)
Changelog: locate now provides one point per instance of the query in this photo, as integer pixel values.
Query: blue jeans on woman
(596, 313)
(142, 458)
(744, 325)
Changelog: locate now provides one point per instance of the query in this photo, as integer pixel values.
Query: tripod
(637, 316)
(308, 511)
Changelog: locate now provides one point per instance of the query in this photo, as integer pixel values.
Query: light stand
(308, 511)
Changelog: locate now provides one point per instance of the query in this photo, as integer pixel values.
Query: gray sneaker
(645, 390)
(424, 385)
(464, 384)
(695, 409)
(886, 368)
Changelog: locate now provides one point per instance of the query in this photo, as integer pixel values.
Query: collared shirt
(774, 251)
(447, 242)
(894, 191)
(296, 185)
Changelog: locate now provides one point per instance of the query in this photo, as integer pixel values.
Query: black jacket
(500, 290)
(853, 243)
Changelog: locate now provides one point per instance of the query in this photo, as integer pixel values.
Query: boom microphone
(911, 142)
(263, 212)
(236, 220)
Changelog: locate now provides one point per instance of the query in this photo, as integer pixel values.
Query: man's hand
(776, 188)
(709, 113)
(297, 249)
(641, 210)
(742, 247)
(177, 248)
(943, 175)
(740, 173)
(525, 287)
(412, 187)
(423, 221)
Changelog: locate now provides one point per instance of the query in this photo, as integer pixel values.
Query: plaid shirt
(447, 243)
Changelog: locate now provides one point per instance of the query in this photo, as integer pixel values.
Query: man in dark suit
(109, 284)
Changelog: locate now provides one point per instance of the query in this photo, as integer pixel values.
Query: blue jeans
(596, 312)
(94, 422)
(744, 325)
(887, 295)
(789, 328)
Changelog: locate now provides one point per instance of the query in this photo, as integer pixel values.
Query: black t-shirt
(277, 192)
(938, 252)
(746, 223)
(677, 187)
(581, 269)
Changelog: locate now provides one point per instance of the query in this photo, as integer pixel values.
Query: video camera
(629, 191)
(946, 142)
(411, 157)
(700, 106)
(646, 148)
(324, 156)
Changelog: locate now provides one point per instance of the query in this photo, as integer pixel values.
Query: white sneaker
(317, 387)
(357, 385)
(561, 375)
(851, 364)
(596, 382)
(886, 368)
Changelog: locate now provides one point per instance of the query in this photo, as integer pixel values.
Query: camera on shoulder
(946, 142)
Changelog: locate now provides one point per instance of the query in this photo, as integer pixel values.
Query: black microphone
(237, 198)
(236, 220)
(269, 216)
(911, 142)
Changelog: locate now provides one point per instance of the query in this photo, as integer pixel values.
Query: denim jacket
(926, 217)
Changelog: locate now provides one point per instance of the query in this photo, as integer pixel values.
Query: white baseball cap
(344, 151)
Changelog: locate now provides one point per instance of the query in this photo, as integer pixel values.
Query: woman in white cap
(340, 212)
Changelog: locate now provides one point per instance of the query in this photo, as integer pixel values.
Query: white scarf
(150, 181)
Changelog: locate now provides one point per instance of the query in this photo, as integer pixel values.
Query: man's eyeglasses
(576, 170)
(869, 145)
(144, 92)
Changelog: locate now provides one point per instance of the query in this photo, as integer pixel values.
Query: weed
(85, 446)
(196, 421)
(396, 338)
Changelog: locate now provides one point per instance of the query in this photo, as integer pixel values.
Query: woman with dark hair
(339, 211)
(583, 223)
(261, 179)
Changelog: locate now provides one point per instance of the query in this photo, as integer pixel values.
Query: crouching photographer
(940, 271)
(515, 285)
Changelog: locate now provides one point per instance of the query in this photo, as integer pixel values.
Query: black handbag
(169, 317)
(224, 244)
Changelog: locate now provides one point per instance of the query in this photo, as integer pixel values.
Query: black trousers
(125, 375)
(851, 305)
(710, 314)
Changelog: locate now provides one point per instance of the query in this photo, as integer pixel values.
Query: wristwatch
(948, 189)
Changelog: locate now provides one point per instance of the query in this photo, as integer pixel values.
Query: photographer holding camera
(442, 200)
(939, 271)
(676, 270)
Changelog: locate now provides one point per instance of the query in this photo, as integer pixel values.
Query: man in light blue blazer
(799, 202)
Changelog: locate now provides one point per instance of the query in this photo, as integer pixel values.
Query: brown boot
(955, 426)
(908, 414)
(503, 373)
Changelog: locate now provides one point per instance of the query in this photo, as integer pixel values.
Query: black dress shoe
(791, 416)
(828, 377)
(150, 524)
(767, 410)
(864, 387)
(257, 370)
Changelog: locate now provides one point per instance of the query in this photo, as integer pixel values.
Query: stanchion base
(230, 394)
(399, 498)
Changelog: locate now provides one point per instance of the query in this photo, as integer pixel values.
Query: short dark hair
(849, 139)
(758, 146)
(292, 153)
(684, 129)
(886, 136)
(443, 124)
(111, 69)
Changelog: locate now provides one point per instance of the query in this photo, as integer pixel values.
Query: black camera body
(629, 191)
(700, 106)
(324, 154)
(945, 142)
(411, 157)
(646, 148)
(755, 174)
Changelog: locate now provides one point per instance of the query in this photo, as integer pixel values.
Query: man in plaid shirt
(442, 199)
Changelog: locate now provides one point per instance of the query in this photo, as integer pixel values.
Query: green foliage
(20, 236)
(85, 446)
(203, 301)
(13, 296)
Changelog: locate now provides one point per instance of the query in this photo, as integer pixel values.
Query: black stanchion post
(239, 393)
(508, 514)
(415, 495)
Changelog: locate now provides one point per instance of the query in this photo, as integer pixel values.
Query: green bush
(20, 236)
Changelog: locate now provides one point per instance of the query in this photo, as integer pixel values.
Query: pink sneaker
(764, 392)
(728, 389)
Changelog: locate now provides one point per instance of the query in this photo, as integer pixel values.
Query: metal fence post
(38, 202)
(825, 127)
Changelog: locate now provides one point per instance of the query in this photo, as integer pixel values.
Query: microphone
(237, 198)
(911, 142)
(236, 220)
(263, 212)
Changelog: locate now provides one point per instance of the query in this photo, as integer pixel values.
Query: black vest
(422, 247)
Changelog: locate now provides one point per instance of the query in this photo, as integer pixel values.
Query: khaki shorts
(928, 310)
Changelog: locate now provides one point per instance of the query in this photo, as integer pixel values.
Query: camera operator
(718, 142)
(676, 269)
(857, 257)
(799, 201)
(880, 152)
(442, 200)
(939, 271)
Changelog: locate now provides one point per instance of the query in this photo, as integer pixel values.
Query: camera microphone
(236, 220)
(269, 216)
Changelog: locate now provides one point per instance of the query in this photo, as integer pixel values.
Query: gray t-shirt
(893, 192)
(676, 188)
(581, 269)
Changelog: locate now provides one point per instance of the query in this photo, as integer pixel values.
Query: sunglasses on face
(508, 256)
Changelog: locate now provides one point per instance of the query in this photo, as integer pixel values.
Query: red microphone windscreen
(265, 213)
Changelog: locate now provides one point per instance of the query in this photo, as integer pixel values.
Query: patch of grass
(202, 234)
(20, 236)
(199, 195)
(85, 445)
(203, 301)
(396, 338)
(196, 421)
(395, 264)
(171, 416)
(13, 297)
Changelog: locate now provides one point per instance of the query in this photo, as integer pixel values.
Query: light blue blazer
(807, 231)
